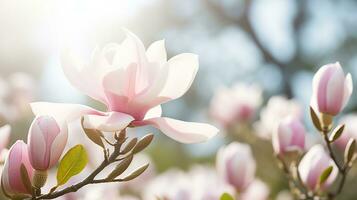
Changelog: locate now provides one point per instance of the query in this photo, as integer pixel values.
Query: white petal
(182, 71)
(157, 52)
(86, 78)
(113, 121)
(58, 146)
(348, 89)
(62, 112)
(153, 112)
(185, 132)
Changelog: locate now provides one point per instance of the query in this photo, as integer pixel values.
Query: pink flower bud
(236, 165)
(11, 177)
(46, 141)
(289, 137)
(331, 89)
(313, 164)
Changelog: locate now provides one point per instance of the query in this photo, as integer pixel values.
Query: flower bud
(236, 165)
(46, 141)
(313, 164)
(331, 89)
(11, 179)
(289, 137)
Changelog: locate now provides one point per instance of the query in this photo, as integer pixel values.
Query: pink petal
(113, 121)
(185, 132)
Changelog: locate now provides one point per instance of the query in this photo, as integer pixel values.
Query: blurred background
(274, 44)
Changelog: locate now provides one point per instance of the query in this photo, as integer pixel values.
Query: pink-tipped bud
(11, 178)
(313, 164)
(236, 165)
(331, 89)
(289, 137)
(46, 141)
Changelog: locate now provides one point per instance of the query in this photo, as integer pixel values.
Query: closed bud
(289, 137)
(313, 166)
(331, 89)
(236, 165)
(46, 141)
(12, 178)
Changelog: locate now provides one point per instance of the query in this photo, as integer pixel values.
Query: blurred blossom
(312, 165)
(200, 183)
(17, 91)
(289, 137)
(132, 82)
(350, 130)
(4, 137)
(331, 89)
(277, 108)
(257, 190)
(236, 165)
(236, 105)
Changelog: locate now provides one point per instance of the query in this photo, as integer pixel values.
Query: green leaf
(315, 119)
(94, 135)
(71, 164)
(226, 196)
(350, 151)
(325, 174)
(143, 143)
(120, 168)
(337, 132)
(136, 173)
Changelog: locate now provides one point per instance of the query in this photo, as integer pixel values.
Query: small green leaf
(315, 119)
(25, 178)
(131, 144)
(72, 163)
(143, 143)
(350, 151)
(120, 168)
(94, 135)
(337, 132)
(136, 173)
(325, 174)
(226, 196)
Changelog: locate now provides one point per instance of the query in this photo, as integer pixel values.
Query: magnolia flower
(236, 104)
(236, 165)
(331, 89)
(46, 141)
(257, 190)
(11, 178)
(350, 130)
(277, 108)
(132, 82)
(290, 136)
(312, 165)
(4, 137)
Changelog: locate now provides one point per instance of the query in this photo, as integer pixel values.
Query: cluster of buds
(312, 173)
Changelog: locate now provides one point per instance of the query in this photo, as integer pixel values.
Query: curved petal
(185, 132)
(348, 89)
(153, 112)
(113, 121)
(182, 71)
(157, 52)
(63, 112)
(86, 78)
